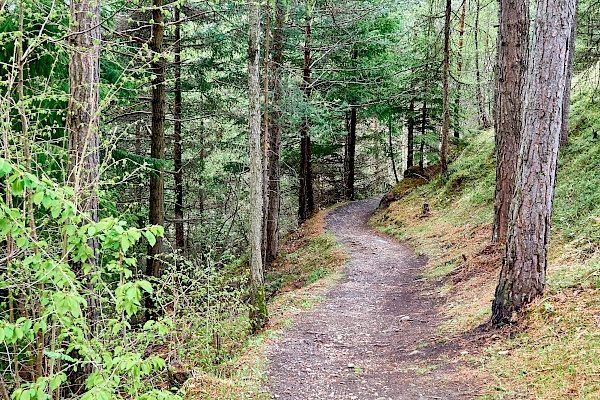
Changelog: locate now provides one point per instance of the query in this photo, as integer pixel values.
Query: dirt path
(374, 338)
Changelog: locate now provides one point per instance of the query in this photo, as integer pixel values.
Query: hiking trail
(374, 337)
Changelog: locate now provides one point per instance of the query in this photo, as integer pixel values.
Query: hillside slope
(553, 352)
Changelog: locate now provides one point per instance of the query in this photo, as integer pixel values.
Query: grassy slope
(554, 352)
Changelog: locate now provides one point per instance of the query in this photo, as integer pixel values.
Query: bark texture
(350, 156)
(306, 197)
(511, 68)
(445, 90)
(484, 119)
(423, 132)
(157, 146)
(564, 132)
(82, 124)
(523, 272)
(83, 120)
(410, 126)
(274, 168)
(178, 165)
(391, 144)
(258, 309)
(461, 33)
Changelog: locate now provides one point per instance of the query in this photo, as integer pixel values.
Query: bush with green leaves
(67, 324)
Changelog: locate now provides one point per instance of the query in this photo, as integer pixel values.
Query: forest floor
(376, 336)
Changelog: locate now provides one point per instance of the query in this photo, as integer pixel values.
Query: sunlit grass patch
(557, 355)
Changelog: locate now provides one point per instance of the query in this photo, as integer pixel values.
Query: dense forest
(157, 155)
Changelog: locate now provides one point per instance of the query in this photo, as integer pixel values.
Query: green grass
(316, 258)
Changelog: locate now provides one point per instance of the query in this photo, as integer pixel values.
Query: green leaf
(55, 382)
(22, 242)
(150, 237)
(59, 355)
(124, 243)
(5, 167)
(46, 201)
(17, 187)
(102, 395)
(9, 330)
(25, 395)
(147, 286)
(37, 198)
(102, 225)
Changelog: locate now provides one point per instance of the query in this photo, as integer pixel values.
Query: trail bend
(374, 337)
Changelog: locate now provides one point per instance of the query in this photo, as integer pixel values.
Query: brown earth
(374, 338)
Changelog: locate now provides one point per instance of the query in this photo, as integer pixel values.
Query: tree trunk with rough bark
(511, 69)
(445, 90)
(266, 131)
(391, 144)
(523, 272)
(410, 127)
(564, 133)
(461, 33)
(306, 197)
(423, 132)
(258, 305)
(82, 124)
(178, 165)
(350, 159)
(274, 169)
(350, 156)
(157, 145)
(484, 119)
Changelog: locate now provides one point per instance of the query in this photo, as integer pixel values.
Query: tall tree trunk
(484, 119)
(266, 140)
(83, 122)
(306, 197)
(157, 145)
(423, 132)
(446, 105)
(461, 33)
(258, 305)
(274, 169)
(177, 111)
(410, 126)
(564, 133)
(511, 68)
(523, 272)
(391, 144)
(350, 158)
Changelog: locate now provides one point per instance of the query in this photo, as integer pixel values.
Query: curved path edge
(374, 337)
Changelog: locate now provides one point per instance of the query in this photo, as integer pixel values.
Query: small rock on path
(374, 336)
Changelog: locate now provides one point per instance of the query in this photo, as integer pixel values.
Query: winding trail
(374, 337)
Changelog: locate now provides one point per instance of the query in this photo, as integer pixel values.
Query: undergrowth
(553, 352)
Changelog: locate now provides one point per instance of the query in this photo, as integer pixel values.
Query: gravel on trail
(374, 337)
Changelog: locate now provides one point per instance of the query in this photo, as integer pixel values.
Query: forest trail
(374, 337)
